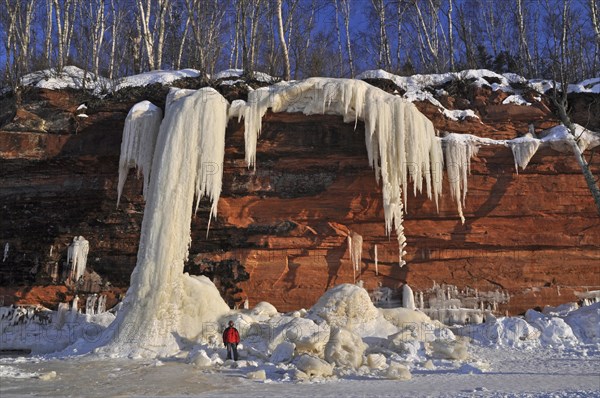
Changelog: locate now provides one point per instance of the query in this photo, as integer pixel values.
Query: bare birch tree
(65, 12)
(384, 58)
(562, 71)
(284, 48)
(345, 7)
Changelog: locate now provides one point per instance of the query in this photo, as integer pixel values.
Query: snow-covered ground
(535, 373)
(553, 353)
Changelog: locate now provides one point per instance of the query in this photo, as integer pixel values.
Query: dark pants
(232, 351)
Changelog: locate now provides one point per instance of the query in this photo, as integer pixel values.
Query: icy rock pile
(44, 331)
(577, 326)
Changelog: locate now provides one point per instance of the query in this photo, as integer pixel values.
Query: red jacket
(231, 335)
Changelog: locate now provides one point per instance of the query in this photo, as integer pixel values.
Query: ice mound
(554, 331)
(350, 306)
(584, 323)
(504, 331)
(307, 335)
(202, 305)
(398, 371)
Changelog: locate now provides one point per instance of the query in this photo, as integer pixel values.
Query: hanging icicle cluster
(401, 142)
(459, 150)
(137, 146)
(77, 253)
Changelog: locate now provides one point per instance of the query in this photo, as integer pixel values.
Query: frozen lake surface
(532, 373)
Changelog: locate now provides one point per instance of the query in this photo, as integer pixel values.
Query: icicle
(51, 250)
(459, 151)
(6, 248)
(137, 146)
(355, 241)
(75, 304)
(101, 304)
(523, 149)
(90, 304)
(376, 267)
(77, 253)
(408, 298)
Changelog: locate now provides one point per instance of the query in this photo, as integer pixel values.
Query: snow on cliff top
(237, 73)
(164, 77)
(496, 81)
(415, 86)
(70, 77)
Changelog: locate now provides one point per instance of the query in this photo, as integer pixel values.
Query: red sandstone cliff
(535, 234)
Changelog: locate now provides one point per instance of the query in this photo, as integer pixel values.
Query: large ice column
(459, 151)
(187, 161)
(138, 142)
(77, 253)
(401, 142)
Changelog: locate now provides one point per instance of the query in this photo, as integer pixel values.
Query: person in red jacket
(231, 338)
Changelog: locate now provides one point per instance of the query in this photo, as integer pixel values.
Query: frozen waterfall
(163, 302)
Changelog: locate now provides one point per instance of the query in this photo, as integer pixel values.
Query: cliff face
(281, 231)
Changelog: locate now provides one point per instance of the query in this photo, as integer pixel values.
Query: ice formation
(408, 298)
(77, 257)
(376, 260)
(401, 142)
(75, 303)
(90, 304)
(523, 149)
(355, 243)
(6, 248)
(139, 139)
(402, 147)
(459, 149)
(162, 301)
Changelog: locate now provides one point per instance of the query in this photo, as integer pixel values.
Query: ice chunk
(257, 375)
(449, 349)
(376, 361)
(584, 323)
(398, 371)
(264, 309)
(313, 366)
(201, 360)
(283, 353)
(345, 349)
